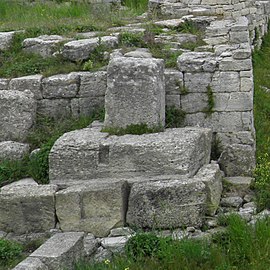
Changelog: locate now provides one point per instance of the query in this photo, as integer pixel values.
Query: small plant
(130, 39)
(88, 65)
(135, 129)
(174, 117)
(188, 27)
(211, 102)
(9, 251)
(182, 89)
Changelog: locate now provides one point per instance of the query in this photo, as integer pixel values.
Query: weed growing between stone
(174, 117)
(240, 246)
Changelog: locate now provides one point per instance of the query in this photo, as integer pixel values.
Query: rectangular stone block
(197, 82)
(173, 101)
(88, 154)
(230, 64)
(226, 102)
(32, 83)
(60, 86)
(26, 209)
(135, 92)
(222, 121)
(92, 84)
(226, 82)
(173, 81)
(86, 106)
(4, 84)
(194, 102)
(166, 204)
(61, 251)
(96, 207)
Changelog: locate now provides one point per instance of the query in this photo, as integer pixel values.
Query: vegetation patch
(211, 102)
(135, 129)
(175, 117)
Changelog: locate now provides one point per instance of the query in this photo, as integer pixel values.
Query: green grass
(262, 123)
(240, 247)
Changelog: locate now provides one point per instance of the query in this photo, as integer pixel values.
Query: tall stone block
(135, 92)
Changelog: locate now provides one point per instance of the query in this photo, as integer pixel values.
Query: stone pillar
(135, 92)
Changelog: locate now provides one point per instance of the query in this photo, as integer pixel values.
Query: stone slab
(10, 150)
(61, 251)
(167, 204)
(96, 207)
(88, 154)
(25, 209)
(31, 264)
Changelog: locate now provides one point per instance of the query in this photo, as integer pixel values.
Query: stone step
(86, 154)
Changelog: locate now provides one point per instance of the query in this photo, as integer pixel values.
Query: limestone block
(115, 244)
(197, 62)
(238, 160)
(92, 84)
(6, 39)
(45, 45)
(79, 50)
(197, 82)
(173, 10)
(173, 81)
(230, 64)
(4, 84)
(60, 86)
(235, 101)
(167, 204)
(247, 84)
(239, 37)
(194, 102)
(86, 106)
(13, 150)
(87, 154)
(31, 264)
(19, 183)
(96, 207)
(32, 83)
(211, 176)
(225, 82)
(25, 209)
(55, 108)
(18, 113)
(173, 23)
(139, 53)
(61, 251)
(222, 121)
(173, 101)
(242, 54)
(135, 92)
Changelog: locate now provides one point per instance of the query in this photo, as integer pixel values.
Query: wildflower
(127, 268)
(107, 261)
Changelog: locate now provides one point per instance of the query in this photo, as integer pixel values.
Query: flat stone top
(29, 190)
(19, 184)
(58, 244)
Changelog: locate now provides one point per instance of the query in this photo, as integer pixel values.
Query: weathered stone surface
(237, 160)
(102, 254)
(115, 244)
(32, 83)
(86, 106)
(96, 207)
(167, 204)
(61, 251)
(122, 231)
(61, 86)
(139, 53)
(31, 264)
(173, 101)
(18, 113)
(4, 84)
(230, 64)
(211, 176)
(55, 108)
(27, 208)
(81, 49)
(20, 183)
(197, 82)
(45, 45)
(194, 102)
(173, 23)
(13, 150)
(6, 39)
(88, 153)
(93, 84)
(235, 202)
(222, 121)
(173, 82)
(226, 82)
(197, 62)
(135, 92)
(90, 244)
